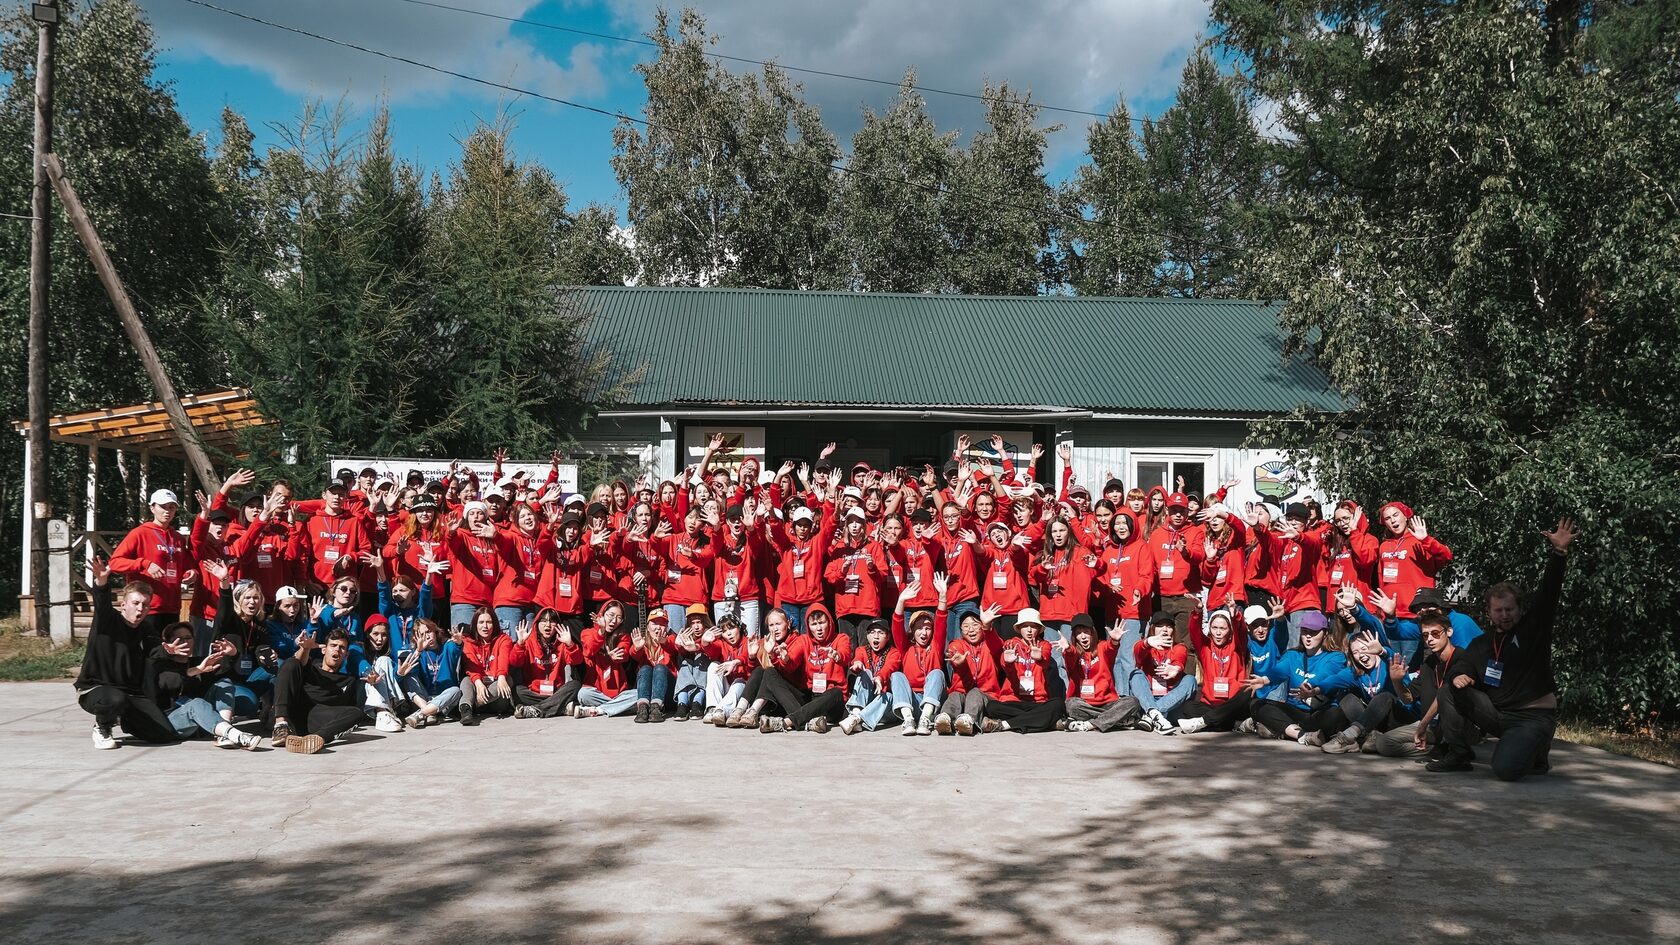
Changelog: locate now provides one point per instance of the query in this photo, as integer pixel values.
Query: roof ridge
(930, 296)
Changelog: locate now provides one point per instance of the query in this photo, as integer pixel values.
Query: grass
(1655, 742)
(26, 657)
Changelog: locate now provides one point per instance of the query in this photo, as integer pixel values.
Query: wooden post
(92, 520)
(37, 508)
(197, 458)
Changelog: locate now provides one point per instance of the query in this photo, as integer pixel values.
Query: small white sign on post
(58, 581)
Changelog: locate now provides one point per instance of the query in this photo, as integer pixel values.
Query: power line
(1049, 211)
(762, 63)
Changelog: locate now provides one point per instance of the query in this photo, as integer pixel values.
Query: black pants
(1525, 735)
(1382, 713)
(1278, 716)
(1025, 717)
(552, 705)
(304, 714)
(799, 706)
(852, 626)
(1222, 717)
(140, 718)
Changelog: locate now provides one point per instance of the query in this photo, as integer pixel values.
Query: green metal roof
(781, 347)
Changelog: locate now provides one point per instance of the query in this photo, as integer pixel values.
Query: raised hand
(827, 451)
(1397, 667)
(100, 568)
(1563, 535)
(990, 613)
(1348, 596)
(941, 583)
(1037, 452)
(1064, 452)
(962, 443)
(1420, 528)
(215, 569)
(1384, 602)
(501, 455)
(317, 606)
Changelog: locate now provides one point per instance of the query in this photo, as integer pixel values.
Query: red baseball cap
(1178, 499)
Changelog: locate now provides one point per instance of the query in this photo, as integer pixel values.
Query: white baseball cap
(803, 514)
(289, 593)
(164, 497)
(857, 513)
(853, 492)
(1256, 612)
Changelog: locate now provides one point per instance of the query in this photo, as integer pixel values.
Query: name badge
(489, 572)
(799, 569)
(245, 665)
(1391, 572)
(1336, 575)
(1087, 689)
(1000, 580)
(1493, 673)
(331, 554)
(1114, 582)
(565, 588)
(171, 576)
(263, 560)
(1158, 687)
(731, 587)
(1167, 568)
(1220, 576)
(545, 687)
(853, 584)
(673, 576)
(530, 575)
(1221, 687)
(819, 683)
(1026, 681)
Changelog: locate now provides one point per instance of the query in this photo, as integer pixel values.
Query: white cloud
(473, 45)
(1070, 53)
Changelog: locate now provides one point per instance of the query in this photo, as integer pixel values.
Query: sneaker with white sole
(1247, 727)
(851, 724)
(386, 722)
(1341, 743)
(415, 720)
(924, 726)
(1311, 739)
(1191, 726)
(772, 723)
(234, 738)
(1163, 726)
(965, 724)
(278, 735)
(1081, 725)
(818, 725)
(943, 724)
(103, 740)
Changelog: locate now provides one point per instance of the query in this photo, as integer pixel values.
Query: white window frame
(1207, 457)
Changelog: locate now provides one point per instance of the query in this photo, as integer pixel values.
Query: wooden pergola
(217, 419)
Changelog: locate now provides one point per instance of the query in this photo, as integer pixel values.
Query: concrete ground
(606, 831)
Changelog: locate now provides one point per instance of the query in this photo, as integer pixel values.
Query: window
(1165, 469)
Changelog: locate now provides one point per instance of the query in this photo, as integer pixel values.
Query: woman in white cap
(475, 563)
(1033, 700)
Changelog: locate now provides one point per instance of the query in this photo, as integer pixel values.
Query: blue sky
(1070, 53)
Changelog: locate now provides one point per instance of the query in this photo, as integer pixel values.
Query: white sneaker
(1162, 726)
(1247, 727)
(907, 721)
(415, 720)
(965, 724)
(386, 722)
(234, 738)
(103, 740)
(925, 725)
(1081, 725)
(1191, 726)
(850, 724)
(942, 724)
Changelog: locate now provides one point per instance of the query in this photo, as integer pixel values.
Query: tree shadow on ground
(1268, 842)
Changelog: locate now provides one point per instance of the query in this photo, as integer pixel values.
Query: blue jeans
(1175, 697)
(796, 616)
(459, 615)
(746, 611)
(509, 618)
(871, 703)
(1131, 631)
(1058, 630)
(933, 691)
(617, 705)
(653, 684)
(193, 716)
(227, 694)
(691, 680)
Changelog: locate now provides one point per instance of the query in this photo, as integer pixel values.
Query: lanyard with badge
(1024, 668)
(1221, 682)
(819, 669)
(1088, 665)
(1494, 672)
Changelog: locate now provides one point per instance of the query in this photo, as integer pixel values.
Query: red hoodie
(523, 554)
(1091, 673)
(1003, 577)
(979, 669)
(600, 670)
(1177, 572)
(920, 561)
(149, 544)
(1224, 668)
(1298, 566)
(543, 669)
(961, 567)
(819, 665)
(1353, 558)
(854, 572)
(880, 665)
(720, 650)
(475, 565)
(799, 579)
(403, 555)
(563, 585)
(1406, 563)
(915, 662)
(1026, 674)
(329, 539)
(735, 567)
(269, 553)
(1223, 574)
(688, 560)
(1147, 658)
(1064, 583)
(1125, 569)
(486, 659)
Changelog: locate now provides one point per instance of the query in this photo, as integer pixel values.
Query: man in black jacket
(111, 684)
(315, 703)
(1502, 684)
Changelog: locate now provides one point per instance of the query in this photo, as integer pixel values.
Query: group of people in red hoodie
(960, 600)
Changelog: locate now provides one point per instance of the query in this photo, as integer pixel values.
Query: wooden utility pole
(131, 322)
(40, 284)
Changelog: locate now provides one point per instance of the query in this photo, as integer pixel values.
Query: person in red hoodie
(1409, 557)
(731, 661)
(976, 658)
(335, 538)
(919, 685)
(524, 548)
(855, 566)
(1178, 562)
(563, 585)
(1033, 700)
(803, 548)
(1299, 560)
(1064, 574)
(157, 554)
(1228, 686)
(1093, 702)
(1351, 551)
(1224, 567)
(653, 653)
(605, 645)
(956, 543)
(540, 663)
(737, 581)
(486, 669)
(418, 549)
(805, 678)
(1160, 683)
(1003, 565)
(269, 550)
(872, 669)
(475, 563)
